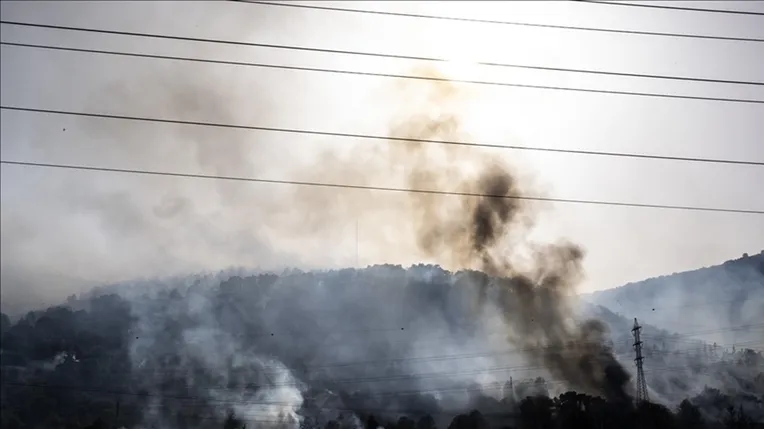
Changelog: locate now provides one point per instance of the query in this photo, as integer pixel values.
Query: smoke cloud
(486, 227)
(517, 285)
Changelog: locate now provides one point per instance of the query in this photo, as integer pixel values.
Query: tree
(473, 420)
(426, 422)
(655, 416)
(688, 415)
(5, 323)
(737, 419)
(536, 412)
(406, 423)
(574, 409)
(371, 423)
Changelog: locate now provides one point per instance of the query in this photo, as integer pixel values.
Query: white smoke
(254, 387)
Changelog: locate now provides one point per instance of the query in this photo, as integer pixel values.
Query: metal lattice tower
(641, 384)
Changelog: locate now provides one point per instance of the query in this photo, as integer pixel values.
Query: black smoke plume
(472, 232)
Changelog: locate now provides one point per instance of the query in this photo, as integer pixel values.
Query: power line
(401, 377)
(753, 326)
(514, 23)
(249, 417)
(405, 377)
(381, 137)
(686, 9)
(254, 416)
(244, 401)
(672, 336)
(395, 56)
(611, 301)
(563, 348)
(374, 54)
(498, 386)
(374, 188)
(284, 403)
(689, 336)
(675, 338)
(425, 78)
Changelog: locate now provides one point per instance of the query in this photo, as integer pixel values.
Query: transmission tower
(641, 384)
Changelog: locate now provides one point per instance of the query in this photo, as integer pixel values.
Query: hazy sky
(63, 231)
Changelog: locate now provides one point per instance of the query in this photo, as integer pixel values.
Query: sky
(65, 231)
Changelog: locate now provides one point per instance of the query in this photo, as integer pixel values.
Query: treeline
(333, 350)
(568, 410)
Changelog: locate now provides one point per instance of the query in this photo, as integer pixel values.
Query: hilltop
(722, 303)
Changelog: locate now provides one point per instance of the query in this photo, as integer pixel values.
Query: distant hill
(722, 303)
(680, 365)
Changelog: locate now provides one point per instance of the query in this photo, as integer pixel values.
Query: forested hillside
(385, 346)
(722, 304)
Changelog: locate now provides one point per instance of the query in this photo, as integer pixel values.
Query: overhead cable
(514, 23)
(364, 53)
(412, 77)
(679, 8)
(374, 188)
(382, 137)
(497, 386)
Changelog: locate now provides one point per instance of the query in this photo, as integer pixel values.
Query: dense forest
(385, 346)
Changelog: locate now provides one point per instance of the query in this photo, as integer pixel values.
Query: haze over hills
(722, 303)
(354, 339)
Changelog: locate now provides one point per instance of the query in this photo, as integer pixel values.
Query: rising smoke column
(535, 299)
(485, 226)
